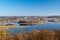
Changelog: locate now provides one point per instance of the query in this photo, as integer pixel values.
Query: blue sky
(29, 7)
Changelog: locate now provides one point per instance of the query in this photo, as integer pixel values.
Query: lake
(46, 25)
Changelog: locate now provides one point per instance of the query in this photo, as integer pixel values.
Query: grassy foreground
(35, 34)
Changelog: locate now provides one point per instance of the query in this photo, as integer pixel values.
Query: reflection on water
(46, 25)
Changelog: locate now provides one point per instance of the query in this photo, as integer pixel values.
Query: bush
(35, 35)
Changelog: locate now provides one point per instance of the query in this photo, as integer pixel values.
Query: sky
(29, 7)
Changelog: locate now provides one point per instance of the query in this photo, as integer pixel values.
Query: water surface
(46, 25)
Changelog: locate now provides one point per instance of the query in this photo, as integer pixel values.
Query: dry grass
(35, 35)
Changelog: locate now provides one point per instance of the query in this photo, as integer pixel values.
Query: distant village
(28, 19)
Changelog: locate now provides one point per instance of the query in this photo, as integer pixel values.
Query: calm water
(46, 25)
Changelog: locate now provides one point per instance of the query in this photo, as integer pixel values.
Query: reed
(34, 35)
